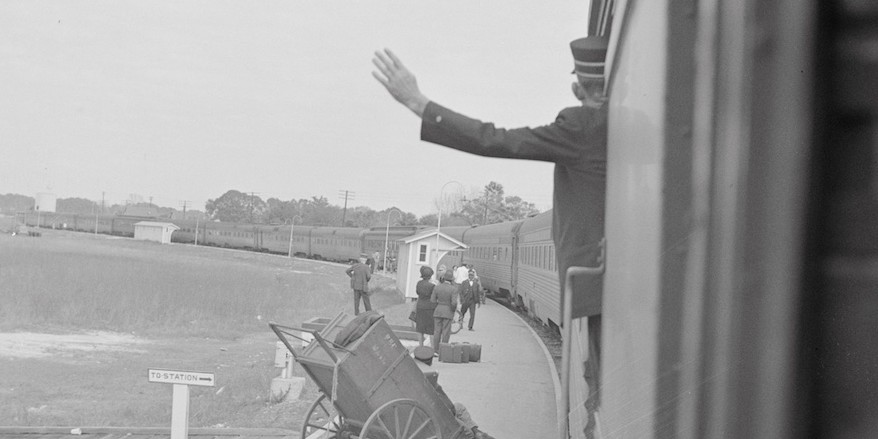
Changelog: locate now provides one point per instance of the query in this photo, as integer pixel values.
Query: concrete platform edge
(556, 381)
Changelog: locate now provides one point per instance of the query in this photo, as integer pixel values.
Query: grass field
(180, 306)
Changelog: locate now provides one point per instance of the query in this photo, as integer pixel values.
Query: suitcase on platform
(460, 354)
(446, 353)
(473, 352)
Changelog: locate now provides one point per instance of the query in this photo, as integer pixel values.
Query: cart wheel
(456, 322)
(401, 419)
(322, 420)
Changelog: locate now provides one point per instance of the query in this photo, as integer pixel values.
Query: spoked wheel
(456, 322)
(401, 419)
(322, 420)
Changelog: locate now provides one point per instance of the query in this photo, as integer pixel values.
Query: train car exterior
(277, 239)
(376, 238)
(232, 235)
(537, 271)
(492, 251)
(336, 243)
(717, 287)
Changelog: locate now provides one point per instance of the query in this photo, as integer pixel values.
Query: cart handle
(281, 332)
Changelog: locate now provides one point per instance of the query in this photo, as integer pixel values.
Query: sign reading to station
(181, 377)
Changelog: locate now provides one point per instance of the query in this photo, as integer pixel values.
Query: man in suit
(460, 274)
(360, 275)
(470, 295)
(576, 142)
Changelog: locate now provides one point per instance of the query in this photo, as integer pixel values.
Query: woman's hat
(426, 271)
(589, 57)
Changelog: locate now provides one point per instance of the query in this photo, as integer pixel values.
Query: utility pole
(346, 194)
(184, 208)
(103, 196)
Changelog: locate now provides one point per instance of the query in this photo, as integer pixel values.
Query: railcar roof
(537, 222)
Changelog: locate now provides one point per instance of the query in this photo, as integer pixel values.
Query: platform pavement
(512, 392)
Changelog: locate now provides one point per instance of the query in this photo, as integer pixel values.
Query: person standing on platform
(460, 274)
(373, 261)
(445, 297)
(440, 272)
(360, 277)
(424, 307)
(576, 142)
(470, 298)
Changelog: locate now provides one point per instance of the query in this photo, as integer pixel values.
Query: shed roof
(156, 224)
(431, 233)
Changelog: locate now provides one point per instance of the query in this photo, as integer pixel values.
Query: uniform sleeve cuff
(432, 113)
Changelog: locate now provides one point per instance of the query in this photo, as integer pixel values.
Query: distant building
(419, 250)
(154, 231)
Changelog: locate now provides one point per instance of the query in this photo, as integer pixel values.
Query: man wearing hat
(360, 276)
(576, 142)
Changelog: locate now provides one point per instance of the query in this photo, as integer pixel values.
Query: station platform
(512, 392)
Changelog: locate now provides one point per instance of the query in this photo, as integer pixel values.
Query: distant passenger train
(340, 244)
(514, 259)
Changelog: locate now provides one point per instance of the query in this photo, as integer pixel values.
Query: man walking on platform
(460, 274)
(470, 294)
(360, 275)
(576, 142)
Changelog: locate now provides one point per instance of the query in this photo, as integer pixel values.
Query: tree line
(488, 206)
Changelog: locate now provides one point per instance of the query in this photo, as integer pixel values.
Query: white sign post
(181, 380)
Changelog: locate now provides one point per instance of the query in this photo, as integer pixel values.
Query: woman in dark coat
(424, 307)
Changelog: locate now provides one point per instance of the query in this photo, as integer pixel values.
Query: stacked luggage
(460, 352)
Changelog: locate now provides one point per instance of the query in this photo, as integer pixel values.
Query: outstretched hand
(399, 81)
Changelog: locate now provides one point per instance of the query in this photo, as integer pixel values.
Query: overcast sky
(184, 100)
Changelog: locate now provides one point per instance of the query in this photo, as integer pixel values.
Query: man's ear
(578, 91)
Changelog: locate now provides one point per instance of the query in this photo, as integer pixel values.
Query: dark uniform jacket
(577, 143)
(445, 297)
(469, 294)
(360, 276)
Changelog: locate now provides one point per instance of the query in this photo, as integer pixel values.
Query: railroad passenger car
(735, 303)
(336, 243)
(492, 251)
(376, 238)
(537, 272)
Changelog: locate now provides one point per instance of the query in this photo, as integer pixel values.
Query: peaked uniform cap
(589, 57)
